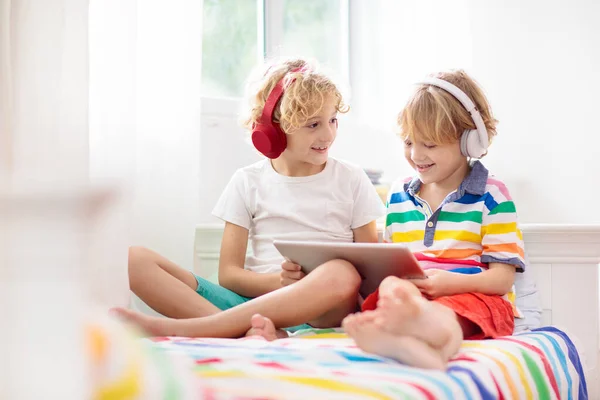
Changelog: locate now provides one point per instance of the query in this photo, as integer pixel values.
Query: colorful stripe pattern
(542, 364)
(477, 223)
(474, 226)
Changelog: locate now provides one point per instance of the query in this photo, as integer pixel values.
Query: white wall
(225, 148)
(537, 62)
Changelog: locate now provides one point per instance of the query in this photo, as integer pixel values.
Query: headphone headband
(267, 136)
(482, 135)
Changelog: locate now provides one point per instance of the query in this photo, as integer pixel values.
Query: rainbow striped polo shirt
(474, 226)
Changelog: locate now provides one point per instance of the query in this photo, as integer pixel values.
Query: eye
(430, 146)
(407, 143)
(313, 125)
(333, 120)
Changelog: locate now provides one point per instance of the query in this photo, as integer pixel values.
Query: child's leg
(324, 297)
(371, 338)
(166, 287)
(403, 313)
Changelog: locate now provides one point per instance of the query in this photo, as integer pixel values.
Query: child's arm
(498, 280)
(232, 274)
(366, 233)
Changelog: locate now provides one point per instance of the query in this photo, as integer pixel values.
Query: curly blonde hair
(302, 99)
(434, 115)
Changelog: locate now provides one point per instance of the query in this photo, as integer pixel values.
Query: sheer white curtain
(43, 197)
(102, 92)
(145, 70)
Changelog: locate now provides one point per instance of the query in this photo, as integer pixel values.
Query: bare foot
(402, 313)
(153, 326)
(397, 309)
(263, 326)
(372, 339)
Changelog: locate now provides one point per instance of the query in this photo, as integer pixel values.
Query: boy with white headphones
(461, 224)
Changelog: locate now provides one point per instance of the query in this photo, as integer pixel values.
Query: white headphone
(473, 143)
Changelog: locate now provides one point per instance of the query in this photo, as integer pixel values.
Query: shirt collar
(474, 183)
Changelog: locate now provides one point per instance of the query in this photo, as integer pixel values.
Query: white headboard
(564, 260)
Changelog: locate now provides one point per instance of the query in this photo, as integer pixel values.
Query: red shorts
(492, 314)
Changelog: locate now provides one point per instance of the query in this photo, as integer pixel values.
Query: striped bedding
(325, 364)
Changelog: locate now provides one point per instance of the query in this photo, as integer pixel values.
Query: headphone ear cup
(464, 148)
(269, 140)
(470, 145)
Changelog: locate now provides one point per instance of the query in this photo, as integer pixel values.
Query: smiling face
(432, 123)
(441, 164)
(311, 142)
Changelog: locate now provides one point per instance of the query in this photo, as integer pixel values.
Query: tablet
(373, 261)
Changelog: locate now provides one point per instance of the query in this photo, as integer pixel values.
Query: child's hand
(438, 283)
(290, 273)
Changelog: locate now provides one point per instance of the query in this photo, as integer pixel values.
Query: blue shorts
(225, 299)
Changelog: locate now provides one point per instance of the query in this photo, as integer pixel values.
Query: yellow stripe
(515, 361)
(499, 228)
(410, 236)
(335, 386)
(464, 236)
(127, 386)
(332, 335)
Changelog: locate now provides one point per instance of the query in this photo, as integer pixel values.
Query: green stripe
(404, 217)
(537, 375)
(506, 207)
(472, 216)
(172, 387)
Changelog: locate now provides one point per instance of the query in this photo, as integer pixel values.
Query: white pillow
(527, 300)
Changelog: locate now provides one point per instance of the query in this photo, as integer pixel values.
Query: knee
(340, 278)
(390, 281)
(135, 255)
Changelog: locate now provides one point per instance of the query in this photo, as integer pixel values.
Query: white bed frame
(564, 259)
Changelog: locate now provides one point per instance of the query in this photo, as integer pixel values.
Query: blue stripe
(556, 370)
(467, 270)
(573, 357)
(401, 197)
(485, 394)
(384, 366)
(490, 203)
(464, 388)
(487, 198)
(469, 198)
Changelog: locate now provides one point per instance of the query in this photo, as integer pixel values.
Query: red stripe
(544, 359)
(208, 361)
(498, 390)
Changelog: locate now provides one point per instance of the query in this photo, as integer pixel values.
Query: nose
(417, 153)
(328, 134)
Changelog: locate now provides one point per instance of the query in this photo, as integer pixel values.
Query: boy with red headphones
(297, 193)
(461, 224)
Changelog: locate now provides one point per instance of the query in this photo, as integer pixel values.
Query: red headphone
(267, 136)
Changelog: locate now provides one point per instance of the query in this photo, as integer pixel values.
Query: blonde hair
(434, 115)
(302, 99)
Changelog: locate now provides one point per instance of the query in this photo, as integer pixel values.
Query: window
(239, 34)
(229, 46)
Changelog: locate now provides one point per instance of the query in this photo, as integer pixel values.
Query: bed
(557, 360)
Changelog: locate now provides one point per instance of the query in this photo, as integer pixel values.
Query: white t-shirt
(321, 207)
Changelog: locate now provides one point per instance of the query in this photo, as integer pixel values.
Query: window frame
(269, 35)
